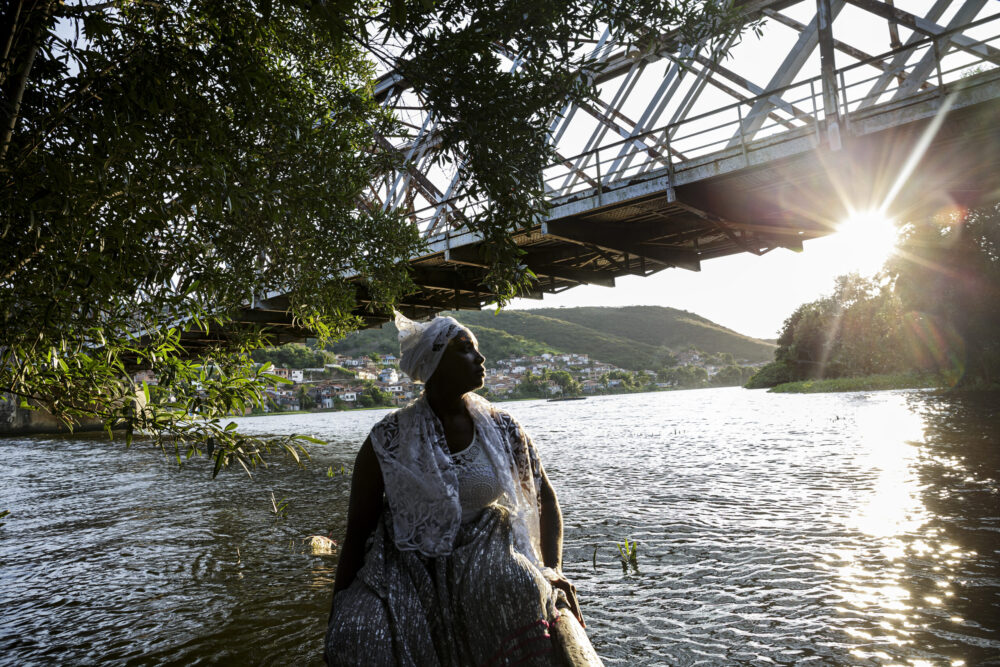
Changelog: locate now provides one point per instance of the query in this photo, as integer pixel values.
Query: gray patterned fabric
(485, 603)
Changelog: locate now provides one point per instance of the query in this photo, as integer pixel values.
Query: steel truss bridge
(840, 106)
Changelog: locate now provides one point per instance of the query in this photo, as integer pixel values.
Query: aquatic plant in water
(629, 555)
(279, 508)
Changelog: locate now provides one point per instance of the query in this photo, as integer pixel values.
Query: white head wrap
(421, 346)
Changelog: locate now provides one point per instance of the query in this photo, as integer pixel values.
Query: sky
(746, 293)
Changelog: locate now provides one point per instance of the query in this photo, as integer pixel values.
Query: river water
(834, 529)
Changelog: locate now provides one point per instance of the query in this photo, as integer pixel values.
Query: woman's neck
(445, 403)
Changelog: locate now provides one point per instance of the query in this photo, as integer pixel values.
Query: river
(833, 529)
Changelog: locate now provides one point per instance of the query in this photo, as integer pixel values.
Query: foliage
(306, 401)
(628, 554)
(371, 396)
(775, 373)
(853, 332)
(293, 355)
(165, 163)
(279, 508)
(728, 376)
(569, 385)
(947, 275)
(146, 174)
(665, 328)
(687, 377)
(496, 117)
(908, 380)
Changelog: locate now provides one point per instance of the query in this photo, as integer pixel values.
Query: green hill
(634, 337)
(669, 327)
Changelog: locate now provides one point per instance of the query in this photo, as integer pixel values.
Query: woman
(454, 535)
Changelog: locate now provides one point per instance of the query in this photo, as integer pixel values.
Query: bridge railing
(932, 65)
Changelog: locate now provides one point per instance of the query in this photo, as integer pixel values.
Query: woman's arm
(551, 529)
(367, 489)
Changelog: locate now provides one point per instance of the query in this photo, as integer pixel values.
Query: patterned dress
(484, 603)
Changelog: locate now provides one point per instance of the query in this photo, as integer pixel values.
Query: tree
(855, 331)
(567, 383)
(728, 376)
(532, 386)
(306, 400)
(294, 355)
(164, 163)
(947, 275)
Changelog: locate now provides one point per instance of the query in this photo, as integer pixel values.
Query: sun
(868, 238)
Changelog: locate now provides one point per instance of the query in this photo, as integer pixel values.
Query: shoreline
(492, 400)
(862, 383)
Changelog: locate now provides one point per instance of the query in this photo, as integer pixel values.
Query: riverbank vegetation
(865, 383)
(932, 316)
(165, 163)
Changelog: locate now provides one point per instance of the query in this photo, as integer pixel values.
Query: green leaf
(219, 459)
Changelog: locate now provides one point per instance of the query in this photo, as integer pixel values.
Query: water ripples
(850, 529)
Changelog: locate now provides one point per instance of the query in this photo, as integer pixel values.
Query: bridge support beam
(828, 68)
(627, 238)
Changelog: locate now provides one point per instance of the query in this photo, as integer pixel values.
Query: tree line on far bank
(934, 309)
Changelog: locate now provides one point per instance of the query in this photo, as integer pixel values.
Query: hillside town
(376, 380)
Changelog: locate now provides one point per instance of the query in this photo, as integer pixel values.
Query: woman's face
(461, 365)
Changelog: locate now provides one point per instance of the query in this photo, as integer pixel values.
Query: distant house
(388, 376)
(145, 376)
(297, 376)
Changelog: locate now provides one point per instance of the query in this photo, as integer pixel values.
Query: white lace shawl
(421, 485)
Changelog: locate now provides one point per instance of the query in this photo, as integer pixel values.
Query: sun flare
(869, 239)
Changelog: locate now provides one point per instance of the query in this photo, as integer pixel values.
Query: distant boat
(567, 398)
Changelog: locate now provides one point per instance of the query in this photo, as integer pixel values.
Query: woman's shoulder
(507, 423)
(390, 423)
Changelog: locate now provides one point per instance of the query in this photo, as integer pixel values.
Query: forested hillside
(675, 329)
(634, 337)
